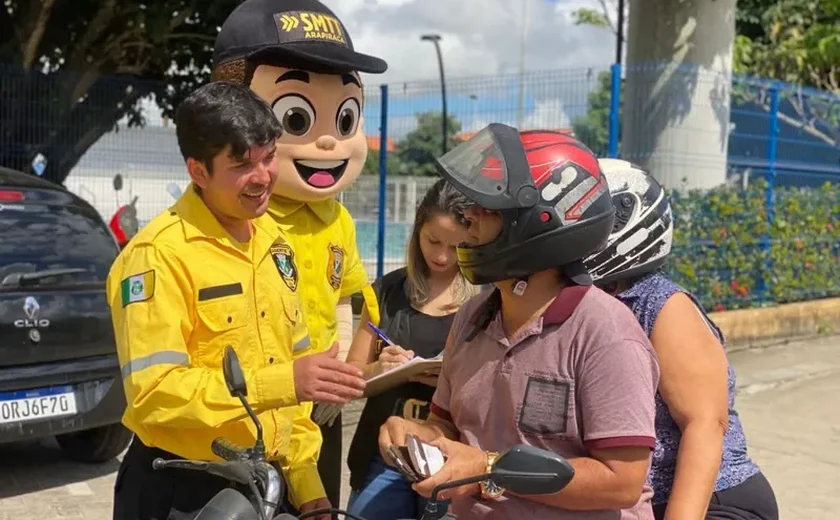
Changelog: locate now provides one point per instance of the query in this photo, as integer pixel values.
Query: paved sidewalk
(787, 398)
(789, 403)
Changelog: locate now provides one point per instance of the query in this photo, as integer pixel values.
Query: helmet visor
(491, 169)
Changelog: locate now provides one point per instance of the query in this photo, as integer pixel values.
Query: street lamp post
(619, 36)
(523, 40)
(435, 39)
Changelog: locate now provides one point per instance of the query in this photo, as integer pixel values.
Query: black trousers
(330, 461)
(753, 499)
(142, 493)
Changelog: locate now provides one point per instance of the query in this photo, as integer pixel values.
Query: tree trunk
(677, 90)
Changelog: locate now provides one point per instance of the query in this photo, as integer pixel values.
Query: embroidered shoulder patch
(335, 266)
(138, 288)
(284, 260)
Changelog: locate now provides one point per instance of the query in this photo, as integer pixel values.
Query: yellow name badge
(294, 26)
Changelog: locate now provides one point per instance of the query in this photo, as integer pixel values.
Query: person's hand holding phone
(391, 357)
(394, 432)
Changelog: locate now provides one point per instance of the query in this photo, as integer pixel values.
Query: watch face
(491, 489)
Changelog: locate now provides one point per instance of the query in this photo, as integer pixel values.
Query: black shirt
(412, 330)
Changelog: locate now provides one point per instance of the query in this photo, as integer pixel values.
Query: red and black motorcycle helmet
(550, 192)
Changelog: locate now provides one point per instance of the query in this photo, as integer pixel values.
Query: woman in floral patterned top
(700, 468)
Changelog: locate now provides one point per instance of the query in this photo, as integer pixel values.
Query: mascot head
(297, 56)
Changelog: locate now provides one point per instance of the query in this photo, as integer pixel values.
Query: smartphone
(418, 456)
(427, 459)
(402, 459)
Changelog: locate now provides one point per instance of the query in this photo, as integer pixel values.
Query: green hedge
(731, 254)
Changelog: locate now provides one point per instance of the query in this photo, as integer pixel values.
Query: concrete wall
(747, 328)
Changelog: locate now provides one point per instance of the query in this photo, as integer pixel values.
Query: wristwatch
(489, 489)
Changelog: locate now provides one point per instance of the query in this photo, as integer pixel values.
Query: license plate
(33, 405)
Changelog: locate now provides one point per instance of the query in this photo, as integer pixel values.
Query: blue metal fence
(783, 149)
(769, 234)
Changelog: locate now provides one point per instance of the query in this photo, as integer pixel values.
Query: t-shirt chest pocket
(221, 319)
(546, 411)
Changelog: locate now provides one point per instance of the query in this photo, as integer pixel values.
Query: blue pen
(381, 334)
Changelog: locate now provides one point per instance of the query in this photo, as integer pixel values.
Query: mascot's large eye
(295, 114)
(347, 117)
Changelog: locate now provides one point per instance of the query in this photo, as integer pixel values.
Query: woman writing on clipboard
(411, 310)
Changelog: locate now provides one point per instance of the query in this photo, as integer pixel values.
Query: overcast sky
(480, 37)
(481, 52)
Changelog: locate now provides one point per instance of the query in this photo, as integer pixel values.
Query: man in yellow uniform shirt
(203, 275)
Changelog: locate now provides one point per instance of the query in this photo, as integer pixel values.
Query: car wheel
(95, 445)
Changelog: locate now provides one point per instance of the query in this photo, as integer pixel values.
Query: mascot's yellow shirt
(323, 261)
(181, 292)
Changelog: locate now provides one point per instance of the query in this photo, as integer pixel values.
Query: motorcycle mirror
(174, 190)
(235, 381)
(128, 222)
(527, 470)
(118, 182)
(234, 378)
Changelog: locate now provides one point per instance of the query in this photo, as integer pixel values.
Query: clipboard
(401, 374)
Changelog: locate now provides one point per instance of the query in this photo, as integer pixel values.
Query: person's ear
(198, 173)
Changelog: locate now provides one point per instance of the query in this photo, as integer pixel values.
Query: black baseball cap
(298, 31)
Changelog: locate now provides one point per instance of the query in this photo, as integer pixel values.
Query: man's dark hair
(222, 114)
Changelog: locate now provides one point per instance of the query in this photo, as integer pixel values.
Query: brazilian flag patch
(138, 288)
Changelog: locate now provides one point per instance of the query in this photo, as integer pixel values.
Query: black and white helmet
(643, 228)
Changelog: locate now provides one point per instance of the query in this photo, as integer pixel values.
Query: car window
(37, 236)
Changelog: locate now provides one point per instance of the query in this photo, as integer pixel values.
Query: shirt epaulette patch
(157, 226)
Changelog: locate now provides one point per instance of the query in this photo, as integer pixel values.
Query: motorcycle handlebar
(228, 450)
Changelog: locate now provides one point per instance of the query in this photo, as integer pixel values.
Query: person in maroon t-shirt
(545, 359)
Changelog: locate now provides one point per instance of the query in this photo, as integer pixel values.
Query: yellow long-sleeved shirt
(180, 293)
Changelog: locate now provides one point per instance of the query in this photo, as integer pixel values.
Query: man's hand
(393, 356)
(325, 414)
(462, 461)
(323, 378)
(321, 503)
(393, 433)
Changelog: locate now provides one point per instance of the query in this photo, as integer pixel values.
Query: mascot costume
(297, 56)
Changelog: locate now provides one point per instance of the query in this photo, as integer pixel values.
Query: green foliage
(593, 128)
(795, 41)
(748, 16)
(417, 151)
(72, 69)
(371, 167)
(593, 17)
(601, 17)
(800, 44)
(731, 255)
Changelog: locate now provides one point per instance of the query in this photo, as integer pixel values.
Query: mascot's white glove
(325, 414)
